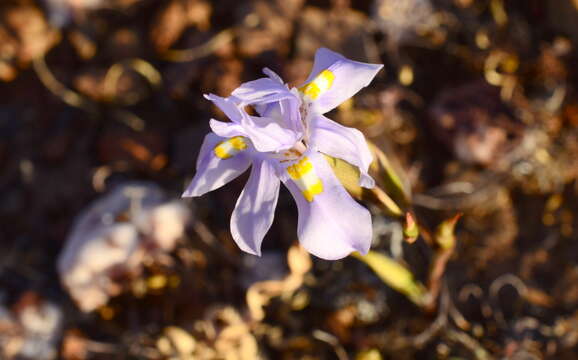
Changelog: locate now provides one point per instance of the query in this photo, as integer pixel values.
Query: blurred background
(101, 120)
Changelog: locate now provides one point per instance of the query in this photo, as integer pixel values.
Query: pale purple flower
(286, 143)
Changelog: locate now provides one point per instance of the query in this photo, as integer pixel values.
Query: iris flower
(285, 143)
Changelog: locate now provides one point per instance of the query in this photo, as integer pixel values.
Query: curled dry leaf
(475, 123)
(176, 343)
(227, 336)
(74, 345)
(174, 18)
(268, 26)
(24, 35)
(260, 293)
(111, 238)
(341, 29)
(126, 83)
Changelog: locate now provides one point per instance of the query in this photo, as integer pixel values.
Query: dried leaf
(74, 345)
(174, 18)
(24, 35)
(176, 341)
(261, 293)
(341, 29)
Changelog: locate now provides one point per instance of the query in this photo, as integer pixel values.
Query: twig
(435, 277)
(459, 201)
(331, 340)
(100, 347)
(439, 323)
(497, 285)
(206, 49)
(458, 318)
(114, 73)
(57, 88)
(472, 344)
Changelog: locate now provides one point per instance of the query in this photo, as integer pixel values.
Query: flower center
(305, 112)
(292, 154)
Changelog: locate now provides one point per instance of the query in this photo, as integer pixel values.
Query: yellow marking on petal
(300, 168)
(230, 147)
(319, 85)
(304, 176)
(313, 190)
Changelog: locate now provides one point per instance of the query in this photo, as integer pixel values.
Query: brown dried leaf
(538, 297)
(261, 293)
(270, 27)
(74, 345)
(24, 36)
(342, 30)
(174, 18)
(475, 123)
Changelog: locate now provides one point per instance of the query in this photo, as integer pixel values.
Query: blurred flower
(62, 11)
(402, 19)
(59, 12)
(286, 142)
(31, 329)
(112, 237)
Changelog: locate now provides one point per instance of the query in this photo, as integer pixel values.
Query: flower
(111, 238)
(286, 143)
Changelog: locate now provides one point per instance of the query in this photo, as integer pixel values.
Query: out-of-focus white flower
(165, 223)
(112, 237)
(402, 19)
(61, 11)
(32, 330)
(42, 324)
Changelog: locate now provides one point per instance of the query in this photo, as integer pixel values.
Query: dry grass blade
(70, 97)
(186, 55)
(142, 67)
